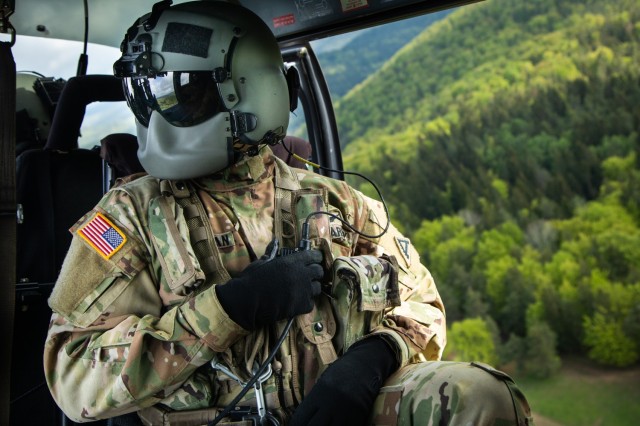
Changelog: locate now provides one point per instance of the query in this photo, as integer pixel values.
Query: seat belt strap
(7, 210)
(286, 182)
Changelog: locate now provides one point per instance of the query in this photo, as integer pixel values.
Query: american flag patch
(102, 235)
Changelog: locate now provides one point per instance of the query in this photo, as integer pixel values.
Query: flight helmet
(206, 83)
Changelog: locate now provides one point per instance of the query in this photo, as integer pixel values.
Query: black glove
(271, 290)
(345, 392)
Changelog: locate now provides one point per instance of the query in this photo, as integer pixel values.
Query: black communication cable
(83, 61)
(305, 226)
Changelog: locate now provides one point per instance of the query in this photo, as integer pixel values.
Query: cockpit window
(58, 59)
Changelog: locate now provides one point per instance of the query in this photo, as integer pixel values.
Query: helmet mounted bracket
(156, 11)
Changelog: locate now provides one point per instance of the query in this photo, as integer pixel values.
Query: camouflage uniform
(136, 323)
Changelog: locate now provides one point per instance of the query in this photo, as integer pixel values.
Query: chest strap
(200, 231)
(285, 183)
(318, 326)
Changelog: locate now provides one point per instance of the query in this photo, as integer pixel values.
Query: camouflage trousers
(450, 393)
(432, 393)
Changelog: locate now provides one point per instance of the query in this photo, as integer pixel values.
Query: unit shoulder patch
(101, 234)
(404, 244)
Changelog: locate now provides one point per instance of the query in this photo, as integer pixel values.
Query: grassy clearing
(582, 394)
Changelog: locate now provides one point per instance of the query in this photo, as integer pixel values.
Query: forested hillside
(346, 67)
(505, 138)
(353, 60)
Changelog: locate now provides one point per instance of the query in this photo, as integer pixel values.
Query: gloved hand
(271, 290)
(345, 392)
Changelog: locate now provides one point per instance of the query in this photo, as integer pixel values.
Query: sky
(59, 59)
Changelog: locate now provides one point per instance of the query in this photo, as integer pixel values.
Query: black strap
(7, 219)
(46, 195)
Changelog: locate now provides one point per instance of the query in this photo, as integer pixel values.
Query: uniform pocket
(127, 267)
(89, 280)
(171, 239)
(360, 292)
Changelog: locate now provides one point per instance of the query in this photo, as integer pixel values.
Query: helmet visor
(183, 98)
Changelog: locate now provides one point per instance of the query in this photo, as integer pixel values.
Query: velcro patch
(403, 245)
(102, 235)
(187, 39)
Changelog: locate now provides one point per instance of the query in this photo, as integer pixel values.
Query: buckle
(242, 122)
(251, 414)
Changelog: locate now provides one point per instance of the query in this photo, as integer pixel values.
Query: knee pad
(521, 407)
(442, 392)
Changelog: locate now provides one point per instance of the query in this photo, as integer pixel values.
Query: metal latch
(19, 214)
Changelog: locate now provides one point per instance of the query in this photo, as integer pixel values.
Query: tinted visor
(183, 98)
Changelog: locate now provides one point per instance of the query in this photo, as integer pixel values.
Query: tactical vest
(292, 206)
(312, 333)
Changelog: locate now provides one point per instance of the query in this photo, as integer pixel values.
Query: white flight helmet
(33, 102)
(205, 81)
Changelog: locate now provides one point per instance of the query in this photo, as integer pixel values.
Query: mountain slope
(508, 103)
(506, 141)
(349, 59)
(345, 67)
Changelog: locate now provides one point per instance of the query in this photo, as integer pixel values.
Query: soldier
(166, 305)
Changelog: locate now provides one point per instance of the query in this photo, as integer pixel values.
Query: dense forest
(347, 60)
(505, 138)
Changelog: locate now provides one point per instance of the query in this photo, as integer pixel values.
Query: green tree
(541, 358)
(608, 344)
(471, 340)
(447, 246)
(514, 350)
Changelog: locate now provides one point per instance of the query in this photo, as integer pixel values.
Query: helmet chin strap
(270, 138)
(248, 146)
(241, 124)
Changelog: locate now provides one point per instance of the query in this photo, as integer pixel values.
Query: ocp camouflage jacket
(136, 319)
